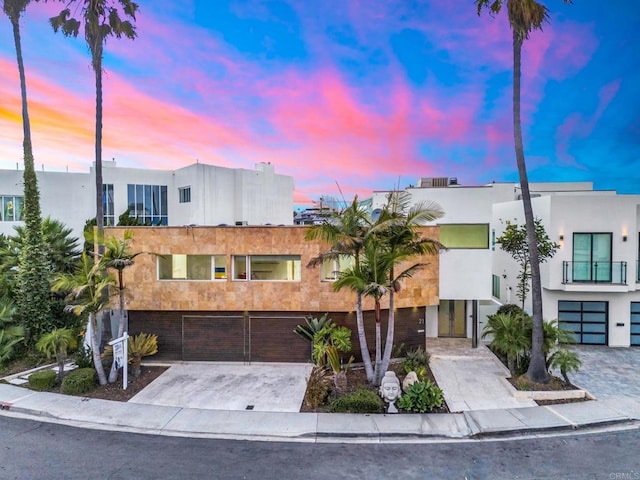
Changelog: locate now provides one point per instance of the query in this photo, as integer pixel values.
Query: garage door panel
(213, 338)
(273, 340)
(588, 321)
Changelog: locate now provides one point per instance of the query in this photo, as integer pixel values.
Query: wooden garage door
(213, 338)
(273, 340)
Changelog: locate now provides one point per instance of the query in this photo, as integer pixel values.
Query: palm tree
(525, 16)
(345, 231)
(118, 256)
(32, 282)
(88, 289)
(57, 343)
(397, 228)
(101, 19)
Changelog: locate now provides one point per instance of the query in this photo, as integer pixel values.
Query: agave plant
(138, 346)
(313, 326)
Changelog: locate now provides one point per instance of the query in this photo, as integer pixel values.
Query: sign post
(120, 351)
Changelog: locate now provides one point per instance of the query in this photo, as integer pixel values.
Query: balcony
(594, 273)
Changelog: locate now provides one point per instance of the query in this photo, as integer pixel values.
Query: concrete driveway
(608, 372)
(263, 387)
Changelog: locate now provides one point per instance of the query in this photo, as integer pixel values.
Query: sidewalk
(312, 427)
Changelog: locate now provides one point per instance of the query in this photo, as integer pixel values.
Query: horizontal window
(331, 268)
(465, 235)
(10, 208)
(284, 268)
(192, 267)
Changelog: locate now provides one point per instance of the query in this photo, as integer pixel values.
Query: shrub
(43, 381)
(421, 397)
(317, 387)
(511, 337)
(417, 360)
(81, 380)
(138, 346)
(511, 309)
(360, 401)
(84, 357)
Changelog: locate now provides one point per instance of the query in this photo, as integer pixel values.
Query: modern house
(236, 293)
(198, 194)
(592, 284)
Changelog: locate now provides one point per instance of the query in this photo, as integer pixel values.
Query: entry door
(452, 318)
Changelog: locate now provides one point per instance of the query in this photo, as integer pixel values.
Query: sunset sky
(368, 94)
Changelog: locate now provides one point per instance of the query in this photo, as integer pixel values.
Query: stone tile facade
(146, 292)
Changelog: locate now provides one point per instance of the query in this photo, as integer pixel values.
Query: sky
(346, 96)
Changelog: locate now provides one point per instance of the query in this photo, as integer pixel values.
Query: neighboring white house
(198, 194)
(602, 307)
(592, 283)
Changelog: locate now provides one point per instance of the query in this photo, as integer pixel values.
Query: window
(331, 268)
(635, 324)
(107, 205)
(184, 195)
(465, 235)
(11, 208)
(148, 203)
(592, 257)
(192, 267)
(495, 286)
(284, 268)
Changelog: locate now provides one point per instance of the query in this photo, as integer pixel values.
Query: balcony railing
(595, 272)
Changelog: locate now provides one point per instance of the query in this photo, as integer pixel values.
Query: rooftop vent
(435, 182)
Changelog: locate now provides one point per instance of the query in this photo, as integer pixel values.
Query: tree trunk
(95, 350)
(113, 373)
(388, 347)
(97, 67)
(537, 371)
(376, 374)
(364, 347)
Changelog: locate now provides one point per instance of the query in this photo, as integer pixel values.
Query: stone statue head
(390, 387)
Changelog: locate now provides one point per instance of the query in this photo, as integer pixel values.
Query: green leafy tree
(515, 242)
(344, 231)
(32, 281)
(56, 344)
(524, 17)
(89, 287)
(11, 335)
(101, 19)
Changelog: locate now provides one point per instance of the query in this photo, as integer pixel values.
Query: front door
(452, 318)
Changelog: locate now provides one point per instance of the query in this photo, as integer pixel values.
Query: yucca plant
(138, 346)
(566, 361)
(56, 344)
(313, 326)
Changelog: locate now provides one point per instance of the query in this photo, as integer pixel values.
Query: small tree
(57, 344)
(514, 242)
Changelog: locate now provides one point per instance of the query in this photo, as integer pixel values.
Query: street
(38, 450)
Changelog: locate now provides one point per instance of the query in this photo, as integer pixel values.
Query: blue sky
(368, 94)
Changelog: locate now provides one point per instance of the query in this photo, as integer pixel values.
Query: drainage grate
(249, 407)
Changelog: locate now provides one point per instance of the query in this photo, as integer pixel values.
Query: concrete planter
(546, 394)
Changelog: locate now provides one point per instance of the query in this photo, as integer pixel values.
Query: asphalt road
(38, 450)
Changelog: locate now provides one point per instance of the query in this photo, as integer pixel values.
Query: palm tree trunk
(376, 374)
(388, 346)
(362, 337)
(97, 67)
(537, 371)
(113, 373)
(95, 350)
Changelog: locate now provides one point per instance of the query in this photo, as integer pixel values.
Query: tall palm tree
(345, 231)
(397, 230)
(369, 278)
(525, 16)
(101, 19)
(89, 287)
(118, 256)
(32, 282)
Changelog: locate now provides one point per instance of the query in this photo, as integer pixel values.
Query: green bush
(421, 397)
(44, 380)
(84, 357)
(511, 309)
(417, 360)
(360, 401)
(81, 380)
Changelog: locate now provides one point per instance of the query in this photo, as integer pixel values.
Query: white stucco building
(591, 285)
(198, 194)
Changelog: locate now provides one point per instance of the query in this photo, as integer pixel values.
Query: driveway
(608, 372)
(262, 387)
